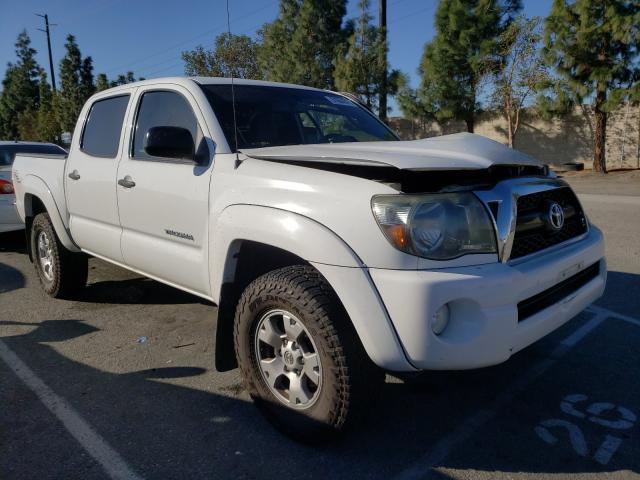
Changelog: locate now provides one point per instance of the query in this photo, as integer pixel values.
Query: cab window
(166, 109)
(101, 135)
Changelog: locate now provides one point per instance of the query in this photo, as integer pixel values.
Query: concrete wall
(567, 139)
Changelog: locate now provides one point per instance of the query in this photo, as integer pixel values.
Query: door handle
(74, 175)
(126, 182)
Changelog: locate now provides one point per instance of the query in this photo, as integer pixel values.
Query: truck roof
(207, 81)
(23, 143)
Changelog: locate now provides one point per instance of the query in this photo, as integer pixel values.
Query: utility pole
(46, 30)
(383, 81)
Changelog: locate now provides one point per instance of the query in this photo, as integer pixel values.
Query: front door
(164, 202)
(90, 178)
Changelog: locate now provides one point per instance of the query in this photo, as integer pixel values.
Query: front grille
(532, 232)
(553, 295)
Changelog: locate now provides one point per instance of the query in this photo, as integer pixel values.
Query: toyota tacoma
(333, 250)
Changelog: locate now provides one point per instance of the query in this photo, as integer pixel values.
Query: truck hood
(460, 151)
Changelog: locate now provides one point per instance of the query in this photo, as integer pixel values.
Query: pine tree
(594, 46)
(19, 98)
(77, 85)
(301, 44)
(234, 55)
(48, 129)
(358, 68)
(464, 51)
(76, 78)
(87, 87)
(410, 104)
(123, 79)
(102, 82)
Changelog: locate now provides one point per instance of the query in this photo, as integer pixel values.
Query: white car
(9, 218)
(333, 250)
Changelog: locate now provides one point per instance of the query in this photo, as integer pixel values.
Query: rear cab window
(103, 127)
(8, 152)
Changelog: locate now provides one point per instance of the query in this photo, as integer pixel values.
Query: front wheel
(62, 273)
(301, 359)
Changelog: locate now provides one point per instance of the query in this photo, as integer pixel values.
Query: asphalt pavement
(120, 384)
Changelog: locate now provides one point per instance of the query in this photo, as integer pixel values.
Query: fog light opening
(440, 320)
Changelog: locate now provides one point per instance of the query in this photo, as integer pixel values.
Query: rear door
(90, 178)
(163, 202)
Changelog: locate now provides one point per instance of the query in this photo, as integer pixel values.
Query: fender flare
(320, 247)
(283, 229)
(35, 186)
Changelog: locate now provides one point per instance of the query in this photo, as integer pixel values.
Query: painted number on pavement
(619, 418)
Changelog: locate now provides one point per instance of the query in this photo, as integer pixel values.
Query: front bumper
(9, 218)
(483, 300)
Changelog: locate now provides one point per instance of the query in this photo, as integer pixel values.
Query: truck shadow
(138, 291)
(166, 429)
(12, 278)
(13, 242)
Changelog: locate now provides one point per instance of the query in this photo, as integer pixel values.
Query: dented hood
(460, 151)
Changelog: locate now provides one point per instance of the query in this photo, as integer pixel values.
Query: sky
(148, 36)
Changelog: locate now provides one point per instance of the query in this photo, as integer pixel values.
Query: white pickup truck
(333, 250)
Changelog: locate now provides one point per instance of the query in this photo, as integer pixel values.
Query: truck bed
(44, 170)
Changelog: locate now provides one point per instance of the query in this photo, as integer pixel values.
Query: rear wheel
(301, 359)
(62, 273)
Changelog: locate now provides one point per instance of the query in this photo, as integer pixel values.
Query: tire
(345, 374)
(62, 273)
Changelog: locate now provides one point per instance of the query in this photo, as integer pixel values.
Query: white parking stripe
(91, 441)
(467, 428)
(611, 313)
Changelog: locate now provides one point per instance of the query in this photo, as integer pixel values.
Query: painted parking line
(421, 468)
(610, 313)
(114, 465)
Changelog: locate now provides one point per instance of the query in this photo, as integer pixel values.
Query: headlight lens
(438, 227)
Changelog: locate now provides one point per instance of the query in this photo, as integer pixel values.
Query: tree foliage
(76, 79)
(522, 73)
(30, 110)
(48, 129)
(409, 102)
(301, 44)
(233, 55)
(123, 79)
(465, 50)
(359, 66)
(20, 94)
(594, 48)
(102, 82)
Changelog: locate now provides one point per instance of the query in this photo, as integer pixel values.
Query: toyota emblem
(555, 216)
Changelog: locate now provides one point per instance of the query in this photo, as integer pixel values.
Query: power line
(128, 65)
(404, 17)
(146, 73)
(151, 70)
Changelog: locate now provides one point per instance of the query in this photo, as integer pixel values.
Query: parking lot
(120, 384)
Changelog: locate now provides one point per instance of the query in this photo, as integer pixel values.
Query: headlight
(440, 226)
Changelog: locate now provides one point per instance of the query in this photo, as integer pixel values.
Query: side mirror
(169, 142)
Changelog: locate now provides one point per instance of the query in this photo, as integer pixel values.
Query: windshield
(272, 116)
(9, 152)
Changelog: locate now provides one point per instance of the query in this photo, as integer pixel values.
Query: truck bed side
(39, 184)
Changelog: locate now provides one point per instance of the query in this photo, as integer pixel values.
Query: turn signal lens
(6, 187)
(398, 235)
